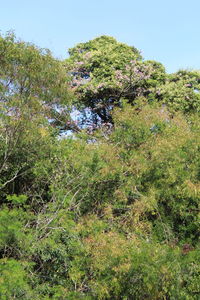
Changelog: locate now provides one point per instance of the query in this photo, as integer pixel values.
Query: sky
(167, 31)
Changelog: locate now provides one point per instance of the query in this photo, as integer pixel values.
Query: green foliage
(181, 91)
(111, 213)
(104, 70)
(31, 74)
(14, 238)
(32, 83)
(20, 199)
(13, 280)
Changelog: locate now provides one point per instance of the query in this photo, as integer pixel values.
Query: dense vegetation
(112, 210)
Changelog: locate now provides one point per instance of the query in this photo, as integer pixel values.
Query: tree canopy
(104, 72)
(107, 213)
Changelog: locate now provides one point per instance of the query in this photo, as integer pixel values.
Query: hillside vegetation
(99, 175)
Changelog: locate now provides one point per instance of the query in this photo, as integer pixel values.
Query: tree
(181, 91)
(32, 81)
(105, 71)
(33, 94)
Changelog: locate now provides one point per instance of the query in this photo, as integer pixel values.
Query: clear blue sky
(167, 31)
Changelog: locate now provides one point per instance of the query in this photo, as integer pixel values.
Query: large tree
(105, 71)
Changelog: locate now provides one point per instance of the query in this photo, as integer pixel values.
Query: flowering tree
(105, 71)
